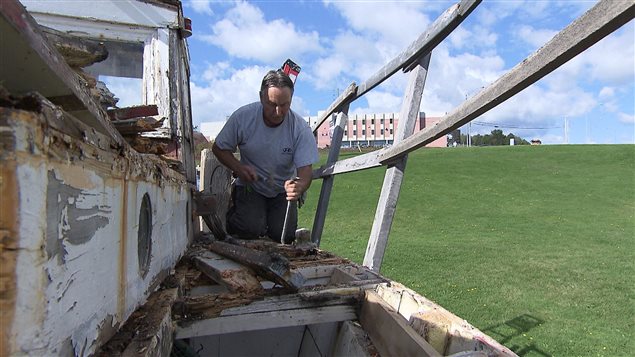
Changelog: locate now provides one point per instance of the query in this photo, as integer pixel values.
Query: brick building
(374, 130)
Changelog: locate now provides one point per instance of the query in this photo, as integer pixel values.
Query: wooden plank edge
(389, 331)
(265, 321)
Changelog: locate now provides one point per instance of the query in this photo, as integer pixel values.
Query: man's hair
(277, 79)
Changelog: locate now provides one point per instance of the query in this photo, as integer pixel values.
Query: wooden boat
(102, 253)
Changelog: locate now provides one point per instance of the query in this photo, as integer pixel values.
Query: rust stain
(121, 297)
(8, 249)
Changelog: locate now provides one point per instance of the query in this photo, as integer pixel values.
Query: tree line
(495, 138)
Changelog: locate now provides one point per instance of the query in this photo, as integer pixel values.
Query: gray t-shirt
(274, 152)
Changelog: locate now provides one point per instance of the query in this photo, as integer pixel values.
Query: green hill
(534, 245)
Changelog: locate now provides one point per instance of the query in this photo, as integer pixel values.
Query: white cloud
(626, 118)
(218, 97)
(612, 60)
(534, 37)
(606, 93)
(214, 99)
(201, 6)
(379, 19)
(245, 33)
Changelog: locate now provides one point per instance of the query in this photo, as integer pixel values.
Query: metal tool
(290, 205)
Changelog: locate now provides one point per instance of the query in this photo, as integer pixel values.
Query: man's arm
(295, 188)
(244, 172)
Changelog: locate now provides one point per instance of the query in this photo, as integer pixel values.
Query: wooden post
(215, 180)
(327, 183)
(394, 174)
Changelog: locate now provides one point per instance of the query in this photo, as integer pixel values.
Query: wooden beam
(33, 64)
(600, 21)
(305, 300)
(235, 277)
(272, 266)
(78, 52)
(137, 125)
(327, 184)
(389, 331)
(425, 43)
(136, 111)
(265, 320)
(393, 178)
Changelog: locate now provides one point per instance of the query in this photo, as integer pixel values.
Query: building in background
(372, 130)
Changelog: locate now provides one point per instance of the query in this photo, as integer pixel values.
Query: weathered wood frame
(600, 21)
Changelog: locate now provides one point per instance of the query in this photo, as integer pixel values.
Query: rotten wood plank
(305, 300)
(232, 275)
(265, 320)
(270, 265)
(137, 125)
(148, 332)
(389, 331)
(393, 177)
(78, 52)
(136, 111)
(154, 146)
(425, 43)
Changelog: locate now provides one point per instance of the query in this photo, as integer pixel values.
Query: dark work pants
(254, 215)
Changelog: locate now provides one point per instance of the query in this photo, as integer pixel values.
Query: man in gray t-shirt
(277, 151)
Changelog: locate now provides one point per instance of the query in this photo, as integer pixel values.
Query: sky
(234, 43)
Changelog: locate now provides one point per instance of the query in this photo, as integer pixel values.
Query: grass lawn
(534, 245)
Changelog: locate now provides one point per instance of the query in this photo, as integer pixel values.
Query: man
(277, 151)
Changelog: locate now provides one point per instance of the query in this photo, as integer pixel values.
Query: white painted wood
(390, 332)
(77, 269)
(393, 178)
(119, 20)
(327, 183)
(341, 276)
(441, 328)
(351, 341)
(90, 29)
(266, 320)
(180, 110)
(156, 83)
(314, 272)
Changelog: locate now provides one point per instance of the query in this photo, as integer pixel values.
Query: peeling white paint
(66, 298)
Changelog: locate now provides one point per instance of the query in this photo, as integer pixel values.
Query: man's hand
(246, 173)
(294, 189)
(297, 186)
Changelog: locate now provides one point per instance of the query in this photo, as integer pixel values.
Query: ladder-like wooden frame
(601, 20)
